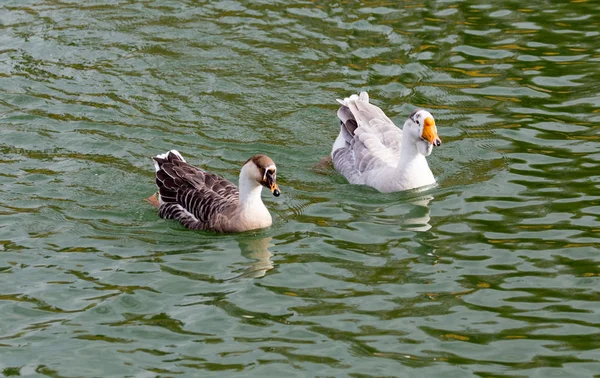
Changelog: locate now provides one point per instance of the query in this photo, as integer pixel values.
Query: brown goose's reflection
(258, 251)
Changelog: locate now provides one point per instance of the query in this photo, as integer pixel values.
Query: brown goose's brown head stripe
(261, 161)
(268, 171)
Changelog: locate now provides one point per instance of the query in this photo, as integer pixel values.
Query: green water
(495, 272)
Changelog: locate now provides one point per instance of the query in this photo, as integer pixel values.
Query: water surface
(492, 273)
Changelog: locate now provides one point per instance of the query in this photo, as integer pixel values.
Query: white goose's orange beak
(430, 132)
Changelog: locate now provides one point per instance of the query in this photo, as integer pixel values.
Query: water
(492, 273)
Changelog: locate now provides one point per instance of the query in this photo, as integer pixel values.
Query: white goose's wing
(198, 199)
(372, 139)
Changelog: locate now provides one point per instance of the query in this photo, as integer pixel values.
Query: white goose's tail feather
(363, 96)
(348, 123)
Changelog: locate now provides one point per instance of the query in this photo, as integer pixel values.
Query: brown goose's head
(264, 171)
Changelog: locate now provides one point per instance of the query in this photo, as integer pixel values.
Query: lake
(495, 272)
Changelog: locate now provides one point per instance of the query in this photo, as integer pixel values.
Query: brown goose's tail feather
(167, 157)
(167, 180)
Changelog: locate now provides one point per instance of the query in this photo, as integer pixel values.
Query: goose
(371, 150)
(201, 200)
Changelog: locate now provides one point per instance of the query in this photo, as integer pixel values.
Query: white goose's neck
(409, 154)
(412, 170)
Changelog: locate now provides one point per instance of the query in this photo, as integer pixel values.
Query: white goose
(201, 200)
(371, 150)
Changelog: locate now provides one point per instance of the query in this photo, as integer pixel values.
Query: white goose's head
(262, 170)
(421, 126)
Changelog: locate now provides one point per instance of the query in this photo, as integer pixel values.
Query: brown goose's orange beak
(430, 132)
(272, 185)
(275, 190)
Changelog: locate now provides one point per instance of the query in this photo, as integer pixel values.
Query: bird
(202, 200)
(371, 150)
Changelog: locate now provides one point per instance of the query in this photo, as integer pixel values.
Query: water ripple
(493, 272)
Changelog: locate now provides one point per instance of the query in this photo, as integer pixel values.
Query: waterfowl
(202, 200)
(371, 150)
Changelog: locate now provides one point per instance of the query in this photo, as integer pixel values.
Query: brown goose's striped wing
(196, 209)
(198, 199)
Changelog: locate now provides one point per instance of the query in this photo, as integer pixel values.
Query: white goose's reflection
(417, 218)
(258, 251)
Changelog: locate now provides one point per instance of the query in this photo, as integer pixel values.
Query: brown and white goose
(201, 200)
(371, 150)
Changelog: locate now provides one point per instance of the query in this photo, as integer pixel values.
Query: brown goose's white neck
(252, 213)
(250, 189)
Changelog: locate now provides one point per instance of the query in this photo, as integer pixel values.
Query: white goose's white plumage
(201, 200)
(371, 150)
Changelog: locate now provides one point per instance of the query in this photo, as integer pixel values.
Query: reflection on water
(494, 272)
(258, 251)
(418, 218)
